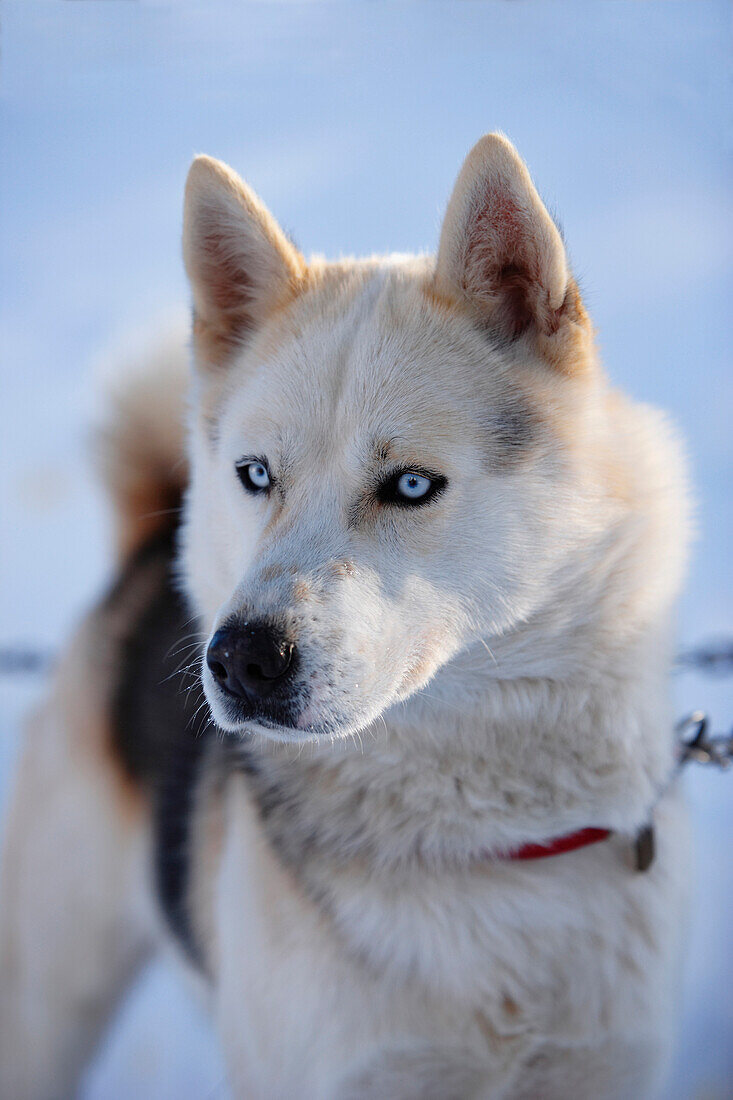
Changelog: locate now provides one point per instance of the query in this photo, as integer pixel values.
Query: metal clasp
(696, 744)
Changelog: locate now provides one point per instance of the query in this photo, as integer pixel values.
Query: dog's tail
(139, 441)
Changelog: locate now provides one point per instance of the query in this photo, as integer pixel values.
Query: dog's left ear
(240, 263)
(500, 252)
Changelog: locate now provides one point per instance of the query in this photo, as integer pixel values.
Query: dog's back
(107, 780)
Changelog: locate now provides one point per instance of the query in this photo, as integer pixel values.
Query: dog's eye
(411, 487)
(254, 475)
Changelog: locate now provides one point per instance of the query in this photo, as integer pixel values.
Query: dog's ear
(500, 252)
(240, 263)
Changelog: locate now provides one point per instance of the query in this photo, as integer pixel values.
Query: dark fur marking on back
(153, 706)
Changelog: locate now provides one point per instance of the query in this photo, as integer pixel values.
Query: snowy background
(352, 121)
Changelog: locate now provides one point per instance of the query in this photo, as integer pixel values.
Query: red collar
(558, 844)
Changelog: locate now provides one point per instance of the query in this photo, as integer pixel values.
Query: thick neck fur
(486, 758)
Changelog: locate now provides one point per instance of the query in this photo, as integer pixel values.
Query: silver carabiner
(695, 743)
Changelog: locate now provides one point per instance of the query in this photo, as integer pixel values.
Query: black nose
(251, 660)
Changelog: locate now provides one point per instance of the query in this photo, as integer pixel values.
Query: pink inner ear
(228, 285)
(502, 265)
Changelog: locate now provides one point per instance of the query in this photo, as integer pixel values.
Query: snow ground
(352, 121)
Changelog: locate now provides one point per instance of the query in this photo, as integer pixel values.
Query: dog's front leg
(73, 862)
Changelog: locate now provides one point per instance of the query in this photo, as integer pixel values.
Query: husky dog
(426, 568)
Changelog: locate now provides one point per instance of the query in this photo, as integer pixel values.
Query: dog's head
(383, 467)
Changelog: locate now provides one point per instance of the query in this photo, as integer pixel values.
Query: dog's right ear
(240, 263)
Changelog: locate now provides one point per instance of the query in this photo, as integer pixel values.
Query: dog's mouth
(291, 719)
(233, 713)
(275, 731)
(296, 719)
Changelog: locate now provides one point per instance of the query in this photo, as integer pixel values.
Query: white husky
(431, 558)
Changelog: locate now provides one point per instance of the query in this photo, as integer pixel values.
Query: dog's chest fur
(485, 958)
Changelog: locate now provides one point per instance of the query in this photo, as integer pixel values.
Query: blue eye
(413, 486)
(254, 475)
